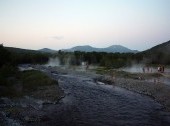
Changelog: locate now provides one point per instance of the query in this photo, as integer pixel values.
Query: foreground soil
(27, 107)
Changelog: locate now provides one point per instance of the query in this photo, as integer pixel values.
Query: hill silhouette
(110, 49)
(159, 54)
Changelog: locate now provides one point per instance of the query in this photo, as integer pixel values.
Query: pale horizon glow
(60, 24)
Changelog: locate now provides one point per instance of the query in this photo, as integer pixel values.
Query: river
(90, 104)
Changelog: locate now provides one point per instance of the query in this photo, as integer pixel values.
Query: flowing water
(90, 104)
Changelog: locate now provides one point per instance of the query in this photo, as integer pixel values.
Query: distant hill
(110, 49)
(118, 48)
(161, 48)
(19, 50)
(85, 48)
(26, 56)
(159, 54)
(47, 50)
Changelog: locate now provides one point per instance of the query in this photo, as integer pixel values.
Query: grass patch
(111, 72)
(102, 70)
(155, 75)
(136, 75)
(124, 74)
(33, 79)
(22, 83)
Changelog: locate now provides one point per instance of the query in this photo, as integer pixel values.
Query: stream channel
(90, 104)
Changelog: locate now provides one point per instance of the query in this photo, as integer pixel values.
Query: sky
(61, 24)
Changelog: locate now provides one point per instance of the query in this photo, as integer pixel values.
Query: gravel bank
(159, 91)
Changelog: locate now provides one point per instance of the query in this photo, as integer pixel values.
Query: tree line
(111, 60)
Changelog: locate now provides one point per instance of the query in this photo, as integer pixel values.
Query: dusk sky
(59, 24)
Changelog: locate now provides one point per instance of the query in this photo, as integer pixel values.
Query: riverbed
(91, 103)
(87, 102)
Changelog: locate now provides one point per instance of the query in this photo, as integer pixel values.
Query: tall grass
(21, 83)
(33, 79)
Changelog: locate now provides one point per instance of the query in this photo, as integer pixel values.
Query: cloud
(57, 37)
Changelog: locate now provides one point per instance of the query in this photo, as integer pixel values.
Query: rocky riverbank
(29, 109)
(36, 91)
(157, 90)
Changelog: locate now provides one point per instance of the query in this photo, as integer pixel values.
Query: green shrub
(27, 81)
(33, 79)
(8, 70)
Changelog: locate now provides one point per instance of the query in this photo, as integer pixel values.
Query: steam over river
(90, 104)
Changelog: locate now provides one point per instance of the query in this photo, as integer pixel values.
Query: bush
(5, 56)
(8, 71)
(23, 82)
(33, 79)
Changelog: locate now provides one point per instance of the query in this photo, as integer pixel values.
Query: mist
(53, 62)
